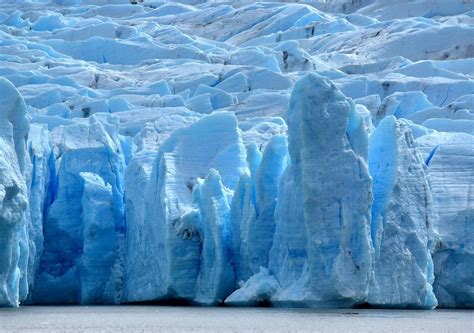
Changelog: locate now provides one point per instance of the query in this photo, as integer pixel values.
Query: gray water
(202, 319)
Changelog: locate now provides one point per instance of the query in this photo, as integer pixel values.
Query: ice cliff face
(88, 207)
(402, 220)
(252, 216)
(41, 194)
(292, 154)
(13, 196)
(176, 235)
(449, 158)
(322, 252)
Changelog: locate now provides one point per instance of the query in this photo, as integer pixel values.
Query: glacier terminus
(286, 153)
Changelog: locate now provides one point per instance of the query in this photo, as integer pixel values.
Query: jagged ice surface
(253, 153)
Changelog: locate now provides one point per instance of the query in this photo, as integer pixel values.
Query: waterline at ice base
(243, 154)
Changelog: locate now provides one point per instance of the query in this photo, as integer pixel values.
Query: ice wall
(98, 284)
(216, 276)
(41, 193)
(450, 161)
(13, 196)
(243, 212)
(253, 207)
(136, 178)
(90, 147)
(402, 220)
(322, 251)
(213, 142)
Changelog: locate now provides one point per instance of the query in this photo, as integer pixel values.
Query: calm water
(199, 319)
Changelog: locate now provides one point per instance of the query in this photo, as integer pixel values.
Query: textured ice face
(184, 159)
(402, 220)
(41, 194)
(99, 283)
(260, 230)
(14, 115)
(13, 197)
(91, 147)
(258, 290)
(216, 276)
(253, 208)
(450, 159)
(322, 252)
(109, 195)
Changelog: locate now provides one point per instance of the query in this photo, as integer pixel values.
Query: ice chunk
(200, 103)
(255, 56)
(266, 79)
(254, 157)
(366, 117)
(170, 9)
(461, 108)
(235, 83)
(256, 291)
(49, 23)
(118, 104)
(402, 105)
(219, 98)
(402, 220)
(322, 252)
(403, 8)
(114, 51)
(294, 58)
(15, 20)
(371, 102)
(260, 130)
(450, 125)
(161, 87)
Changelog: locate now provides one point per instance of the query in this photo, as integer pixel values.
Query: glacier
(282, 153)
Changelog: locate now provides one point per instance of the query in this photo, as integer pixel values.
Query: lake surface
(201, 319)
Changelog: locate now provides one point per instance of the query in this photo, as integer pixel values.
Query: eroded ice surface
(450, 158)
(322, 251)
(13, 196)
(315, 154)
(402, 220)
